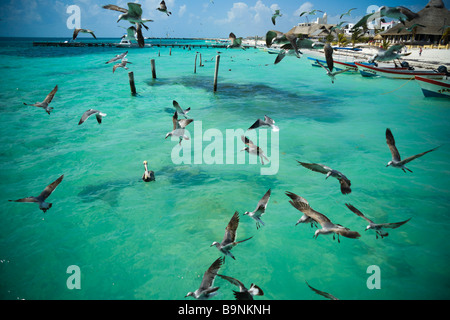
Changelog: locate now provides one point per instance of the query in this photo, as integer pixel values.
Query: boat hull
(434, 88)
(338, 65)
(396, 73)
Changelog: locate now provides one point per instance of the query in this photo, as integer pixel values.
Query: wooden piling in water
(170, 51)
(216, 72)
(131, 78)
(195, 64)
(152, 62)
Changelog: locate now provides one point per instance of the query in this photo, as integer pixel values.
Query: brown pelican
(45, 104)
(148, 174)
(40, 199)
(396, 161)
(206, 289)
(229, 239)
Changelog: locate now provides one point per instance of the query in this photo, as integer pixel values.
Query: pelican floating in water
(148, 174)
(40, 199)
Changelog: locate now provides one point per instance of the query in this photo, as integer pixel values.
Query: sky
(189, 18)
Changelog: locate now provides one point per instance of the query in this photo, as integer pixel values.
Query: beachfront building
(319, 29)
(434, 20)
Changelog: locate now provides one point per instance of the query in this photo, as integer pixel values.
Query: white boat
(433, 87)
(125, 43)
(396, 73)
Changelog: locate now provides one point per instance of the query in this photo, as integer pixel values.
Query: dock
(110, 44)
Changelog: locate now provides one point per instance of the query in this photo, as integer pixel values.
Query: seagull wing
(258, 123)
(28, 199)
(317, 167)
(301, 204)
(86, 115)
(134, 9)
(230, 230)
(268, 120)
(271, 35)
(391, 144)
(328, 50)
(115, 8)
(139, 36)
(262, 204)
(322, 293)
(345, 184)
(406, 160)
(345, 232)
(75, 33)
(273, 19)
(247, 141)
(175, 120)
(320, 64)
(210, 274)
(280, 56)
(50, 188)
(292, 38)
(408, 13)
(184, 122)
(340, 71)
(50, 96)
(177, 106)
(393, 225)
(99, 117)
(232, 280)
(357, 212)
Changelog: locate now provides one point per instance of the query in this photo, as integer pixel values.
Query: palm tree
(342, 39)
(356, 36)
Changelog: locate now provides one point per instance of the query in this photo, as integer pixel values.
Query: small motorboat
(397, 73)
(434, 87)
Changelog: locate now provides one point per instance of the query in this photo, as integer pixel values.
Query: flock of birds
(311, 216)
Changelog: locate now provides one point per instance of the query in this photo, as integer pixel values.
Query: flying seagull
(90, 112)
(312, 12)
(322, 293)
(343, 180)
(122, 64)
(133, 14)
(266, 123)
(346, 13)
(394, 52)
(77, 31)
(411, 28)
(286, 49)
(328, 227)
(135, 33)
(229, 239)
(296, 203)
(45, 104)
(206, 289)
(148, 175)
(378, 227)
(260, 209)
(396, 161)
(332, 75)
(235, 42)
(243, 293)
(273, 37)
(399, 13)
(117, 57)
(339, 26)
(40, 199)
(276, 15)
(163, 8)
(180, 110)
(179, 127)
(253, 149)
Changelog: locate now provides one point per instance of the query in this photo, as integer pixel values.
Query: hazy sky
(190, 18)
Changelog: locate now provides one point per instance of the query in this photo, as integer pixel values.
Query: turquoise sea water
(136, 240)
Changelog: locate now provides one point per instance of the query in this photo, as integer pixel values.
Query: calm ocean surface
(136, 240)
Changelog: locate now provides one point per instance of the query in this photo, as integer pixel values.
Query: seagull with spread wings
(343, 180)
(266, 123)
(396, 161)
(98, 115)
(253, 149)
(163, 8)
(328, 227)
(295, 202)
(76, 31)
(179, 127)
(276, 15)
(229, 239)
(45, 104)
(117, 57)
(260, 209)
(180, 110)
(378, 227)
(133, 14)
(40, 199)
(243, 293)
(235, 42)
(206, 289)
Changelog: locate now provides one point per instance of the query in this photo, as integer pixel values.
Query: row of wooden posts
(152, 64)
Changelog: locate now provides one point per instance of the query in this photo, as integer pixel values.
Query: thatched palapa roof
(434, 16)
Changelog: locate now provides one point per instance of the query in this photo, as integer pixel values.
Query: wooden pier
(110, 44)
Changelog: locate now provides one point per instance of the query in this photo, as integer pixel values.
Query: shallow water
(136, 240)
